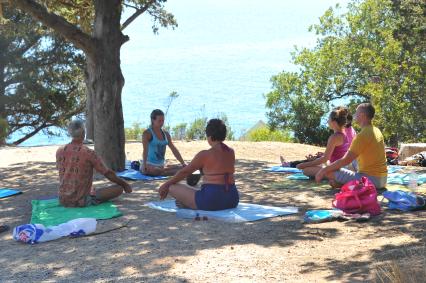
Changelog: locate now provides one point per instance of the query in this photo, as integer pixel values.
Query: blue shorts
(215, 197)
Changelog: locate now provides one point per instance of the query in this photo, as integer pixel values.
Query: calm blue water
(219, 60)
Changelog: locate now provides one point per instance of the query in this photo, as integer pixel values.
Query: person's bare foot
(283, 162)
(3, 228)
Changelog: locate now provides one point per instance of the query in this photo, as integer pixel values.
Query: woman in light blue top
(154, 141)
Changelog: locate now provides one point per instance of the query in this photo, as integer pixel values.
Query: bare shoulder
(230, 149)
(203, 153)
(88, 151)
(60, 149)
(146, 134)
(335, 138)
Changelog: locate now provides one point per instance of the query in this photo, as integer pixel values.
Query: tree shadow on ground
(158, 247)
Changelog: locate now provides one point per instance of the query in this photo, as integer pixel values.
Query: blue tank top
(157, 149)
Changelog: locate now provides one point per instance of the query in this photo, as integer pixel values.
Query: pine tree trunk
(106, 83)
(90, 130)
(2, 102)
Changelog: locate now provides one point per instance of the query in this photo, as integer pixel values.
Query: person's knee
(330, 175)
(307, 171)
(116, 191)
(120, 191)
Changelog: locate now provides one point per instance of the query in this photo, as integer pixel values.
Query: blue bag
(404, 201)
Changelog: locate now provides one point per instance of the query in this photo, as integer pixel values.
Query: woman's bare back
(218, 162)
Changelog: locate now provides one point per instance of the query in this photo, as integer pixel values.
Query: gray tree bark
(105, 83)
(90, 123)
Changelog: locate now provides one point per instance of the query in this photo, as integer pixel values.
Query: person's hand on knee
(163, 191)
(127, 188)
(301, 166)
(320, 175)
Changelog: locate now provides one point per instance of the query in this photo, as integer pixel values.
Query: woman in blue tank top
(218, 190)
(155, 140)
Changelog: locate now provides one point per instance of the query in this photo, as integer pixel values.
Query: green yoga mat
(51, 213)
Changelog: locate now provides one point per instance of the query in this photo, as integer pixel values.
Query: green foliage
(43, 84)
(134, 133)
(374, 52)
(197, 129)
(293, 108)
(179, 131)
(82, 12)
(266, 134)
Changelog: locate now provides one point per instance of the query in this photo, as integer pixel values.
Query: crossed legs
(168, 170)
(184, 195)
(312, 171)
(108, 193)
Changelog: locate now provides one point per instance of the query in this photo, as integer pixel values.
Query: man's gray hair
(76, 128)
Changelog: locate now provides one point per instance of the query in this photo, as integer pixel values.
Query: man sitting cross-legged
(75, 163)
(367, 147)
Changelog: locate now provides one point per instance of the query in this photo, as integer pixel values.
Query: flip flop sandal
(3, 228)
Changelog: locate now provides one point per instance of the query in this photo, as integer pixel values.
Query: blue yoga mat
(134, 175)
(280, 169)
(4, 193)
(242, 213)
(298, 176)
(394, 169)
(404, 179)
(321, 215)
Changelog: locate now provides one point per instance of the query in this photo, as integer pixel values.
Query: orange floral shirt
(75, 163)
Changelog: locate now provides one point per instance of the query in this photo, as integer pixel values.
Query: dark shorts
(91, 200)
(216, 197)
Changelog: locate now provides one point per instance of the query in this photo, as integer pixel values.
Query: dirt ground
(158, 247)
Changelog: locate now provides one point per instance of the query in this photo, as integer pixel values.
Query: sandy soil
(158, 247)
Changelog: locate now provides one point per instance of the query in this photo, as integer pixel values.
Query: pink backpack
(358, 197)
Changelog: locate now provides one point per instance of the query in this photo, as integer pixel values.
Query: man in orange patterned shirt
(75, 163)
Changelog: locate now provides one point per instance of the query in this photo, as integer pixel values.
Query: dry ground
(158, 247)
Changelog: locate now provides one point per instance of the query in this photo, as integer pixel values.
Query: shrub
(179, 131)
(197, 129)
(134, 133)
(265, 134)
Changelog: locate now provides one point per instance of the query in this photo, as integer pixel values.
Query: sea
(219, 60)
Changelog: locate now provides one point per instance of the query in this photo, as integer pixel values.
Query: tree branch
(349, 93)
(41, 127)
(30, 45)
(57, 23)
(136, 14)
(130, 6)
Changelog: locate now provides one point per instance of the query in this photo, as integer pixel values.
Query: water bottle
(74, 228)
(412, 183)
(127, 163)
(37, 233)
(187, 213)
